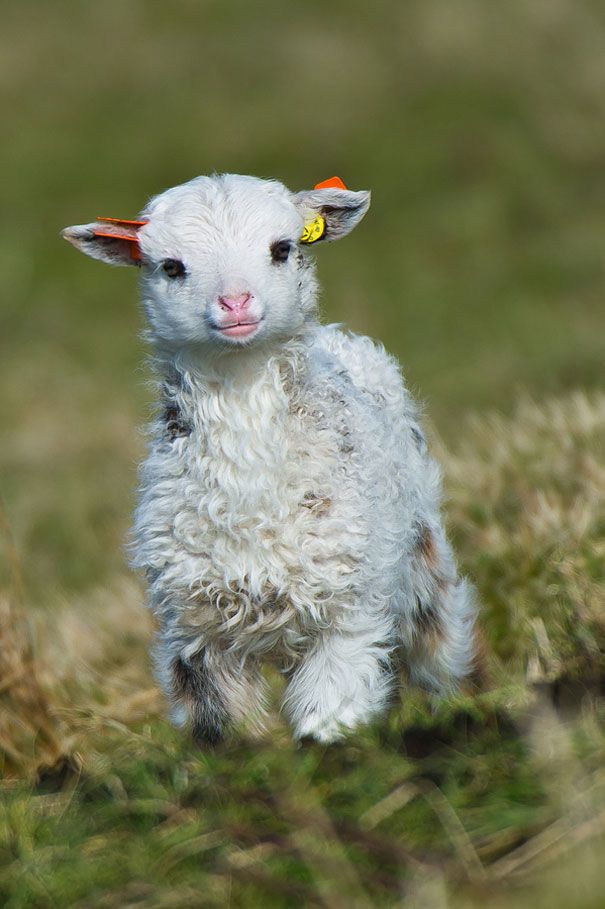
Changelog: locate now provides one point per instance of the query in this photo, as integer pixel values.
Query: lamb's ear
(340, 209)
(109, 239)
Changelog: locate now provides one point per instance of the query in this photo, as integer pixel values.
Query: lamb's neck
(205, 371)
(240, 406)
(211, 363)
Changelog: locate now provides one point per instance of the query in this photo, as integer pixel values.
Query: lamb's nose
(234, 304)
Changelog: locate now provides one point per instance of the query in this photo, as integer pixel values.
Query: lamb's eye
(280, 250)
(174, 268)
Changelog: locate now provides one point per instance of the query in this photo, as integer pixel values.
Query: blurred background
(480, 129)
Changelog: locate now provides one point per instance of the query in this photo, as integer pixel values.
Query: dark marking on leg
(428, 552)
(426, 547)
(195, 687)
(428, 622)
(428, 617)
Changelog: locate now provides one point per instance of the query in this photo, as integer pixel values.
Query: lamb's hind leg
(343, 682)
(439, 636)
(210, 689)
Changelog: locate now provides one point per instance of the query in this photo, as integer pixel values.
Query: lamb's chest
(250, 513)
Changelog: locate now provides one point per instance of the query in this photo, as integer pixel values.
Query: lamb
(289, 510)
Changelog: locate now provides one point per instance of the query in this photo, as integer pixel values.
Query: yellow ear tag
(313, 230)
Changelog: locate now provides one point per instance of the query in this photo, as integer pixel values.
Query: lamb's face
(221, 263)
(223, 258)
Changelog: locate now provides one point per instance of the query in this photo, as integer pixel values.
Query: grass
(493, 791)
(480, 130)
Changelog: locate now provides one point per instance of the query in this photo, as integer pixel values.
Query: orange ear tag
(123, 222)
(135, 249)
(332, 183)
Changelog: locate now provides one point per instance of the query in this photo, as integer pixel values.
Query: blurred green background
(479, 126)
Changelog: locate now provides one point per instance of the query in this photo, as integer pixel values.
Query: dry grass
(528, 509)
(502, 790)
(30, 735)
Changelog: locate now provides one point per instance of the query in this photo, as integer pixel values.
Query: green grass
(480, 128)
(489, 795)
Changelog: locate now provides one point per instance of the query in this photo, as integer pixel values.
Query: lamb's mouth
(238, 329)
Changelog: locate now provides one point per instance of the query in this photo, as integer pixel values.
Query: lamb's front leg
(211, 689)
(341, 683)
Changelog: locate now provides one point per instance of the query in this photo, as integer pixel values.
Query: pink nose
(234, 304)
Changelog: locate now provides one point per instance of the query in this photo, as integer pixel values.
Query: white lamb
(288, 508)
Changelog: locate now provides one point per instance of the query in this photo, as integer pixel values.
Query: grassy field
(480, 128)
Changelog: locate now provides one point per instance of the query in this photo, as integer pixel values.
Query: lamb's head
(224, 259)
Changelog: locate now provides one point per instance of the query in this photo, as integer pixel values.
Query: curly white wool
(288, 508)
